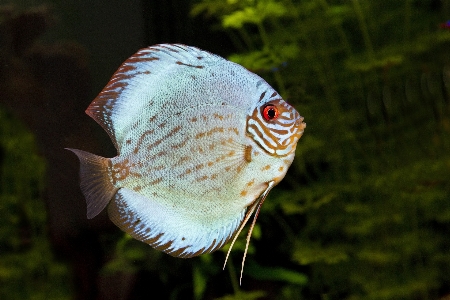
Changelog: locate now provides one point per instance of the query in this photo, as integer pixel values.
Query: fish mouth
(297, 131)
(300, 126)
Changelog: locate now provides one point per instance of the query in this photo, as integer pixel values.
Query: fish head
(275, 126)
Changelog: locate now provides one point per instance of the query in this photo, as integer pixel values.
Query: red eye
(270, 112)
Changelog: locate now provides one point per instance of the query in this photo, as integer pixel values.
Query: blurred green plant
(27, 267)
(364, 207)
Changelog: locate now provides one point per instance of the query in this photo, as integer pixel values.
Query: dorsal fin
(118, 103)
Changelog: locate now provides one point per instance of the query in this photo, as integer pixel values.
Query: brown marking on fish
(165, 246)
(202, 250)
(209, 132)
(128, 142)
(211, 247)
(135, 174)
(181, 144)
(188, 65)
(137, 188)
(251, 182)
(278, 178)
(274, 94)
(280, 131)
(233, 129)
(203, 178)
(214, 176)
(200, 135)
(216, 129)
(162, 124)
(158, 168)
(243, 193)
(280, 169)
(159, 154)
(248, 153)
(157, 142)
(231, 153)
(210, 163)
(265, 168)
(187, 172)
(145, 53)
(142, 56)
(217, 116)
(193, 119)
(141, 139)
(125, 68)
(182, 160)
(262, 96)
(120, 171)
(178, 252)
(155, 239)
(173, 131)
(169, 48)
(137, 222)
(156, 181)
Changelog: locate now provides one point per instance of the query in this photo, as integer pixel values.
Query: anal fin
(164, 227)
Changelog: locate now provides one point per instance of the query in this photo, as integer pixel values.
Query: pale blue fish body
(200, 141)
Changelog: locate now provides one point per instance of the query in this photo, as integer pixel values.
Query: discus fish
(201, 141)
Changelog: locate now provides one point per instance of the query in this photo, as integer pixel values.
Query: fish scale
(201, 141)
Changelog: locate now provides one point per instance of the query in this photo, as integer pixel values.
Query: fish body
(200, 142)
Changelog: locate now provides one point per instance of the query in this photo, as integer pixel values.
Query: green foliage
(27, 268)
(243, 296)
(276, 274)
(364, 209)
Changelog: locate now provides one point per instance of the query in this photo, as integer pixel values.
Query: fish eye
(270, 112)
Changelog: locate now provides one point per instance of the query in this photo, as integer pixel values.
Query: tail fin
(95, 182)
